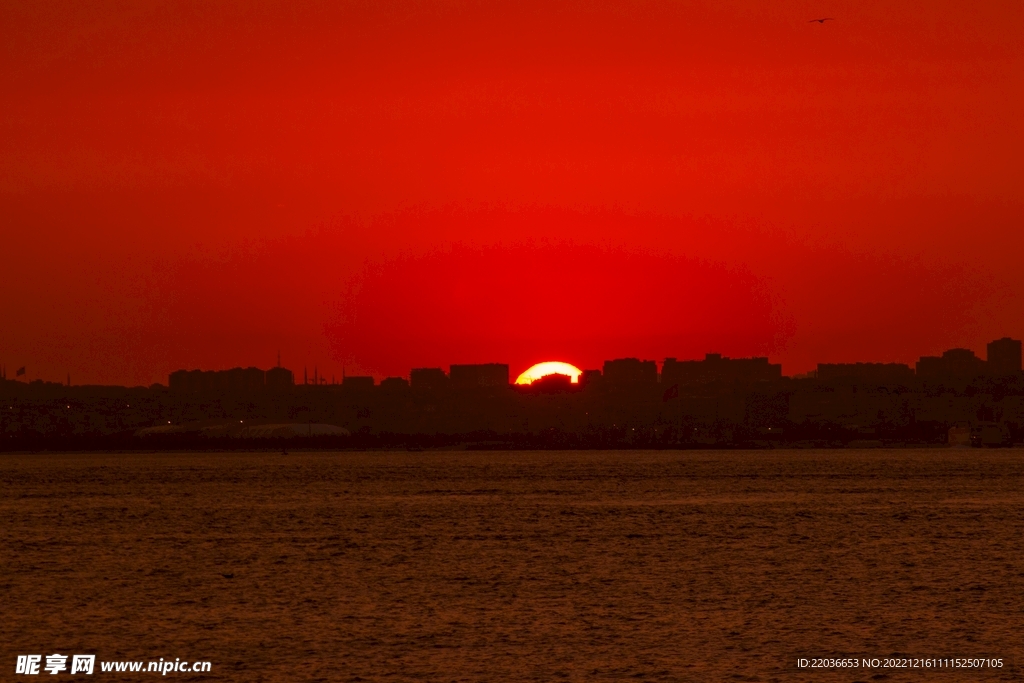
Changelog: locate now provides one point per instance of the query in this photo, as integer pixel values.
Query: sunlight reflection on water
(514, 566)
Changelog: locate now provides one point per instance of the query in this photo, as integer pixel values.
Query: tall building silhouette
(482, 375)
(629, 371)
(1004, 356)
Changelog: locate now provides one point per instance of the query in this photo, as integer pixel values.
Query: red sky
(380, 185)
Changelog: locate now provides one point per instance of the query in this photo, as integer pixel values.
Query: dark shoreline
(414, 443)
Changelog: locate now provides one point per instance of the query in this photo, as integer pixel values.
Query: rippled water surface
(494, 566)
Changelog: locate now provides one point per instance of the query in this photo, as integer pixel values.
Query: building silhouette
(235, 380)
(955, 365)
(476, 376)
(357, 383)
(428, 379)
(551, 384)
(1004, 357)
(629, 372)
(866, 373)
(279, 379)
(718, 368)
(716, 401)
(394, 384)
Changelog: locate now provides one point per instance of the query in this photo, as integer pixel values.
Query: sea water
(516, 566)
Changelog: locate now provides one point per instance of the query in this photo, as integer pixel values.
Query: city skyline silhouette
(375, 190)
(512, 340)
(955, 398)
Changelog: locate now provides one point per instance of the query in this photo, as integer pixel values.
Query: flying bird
(821, 21)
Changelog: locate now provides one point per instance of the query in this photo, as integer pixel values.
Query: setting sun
(549, 368)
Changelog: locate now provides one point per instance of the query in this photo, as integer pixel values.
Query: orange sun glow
(549, 368)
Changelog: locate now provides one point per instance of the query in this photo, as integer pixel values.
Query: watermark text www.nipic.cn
(33, 665)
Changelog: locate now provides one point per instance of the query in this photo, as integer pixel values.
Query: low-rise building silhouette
(279, 379)
(550, 384)
(235, 380)
(955, 365)
(428, 379)
(866, 373)
(356, 383)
